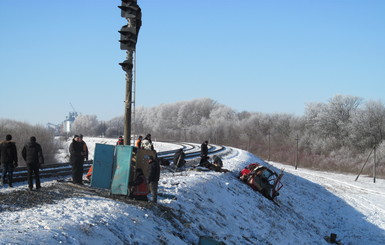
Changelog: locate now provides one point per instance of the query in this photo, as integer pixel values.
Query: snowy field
(312, 205)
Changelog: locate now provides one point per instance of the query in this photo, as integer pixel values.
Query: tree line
(337, 135)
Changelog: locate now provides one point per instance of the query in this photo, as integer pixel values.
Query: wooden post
(374, 167)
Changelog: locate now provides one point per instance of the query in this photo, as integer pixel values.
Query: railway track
(62, 170)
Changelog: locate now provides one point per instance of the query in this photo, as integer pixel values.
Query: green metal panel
(103, 166)
(121, 175)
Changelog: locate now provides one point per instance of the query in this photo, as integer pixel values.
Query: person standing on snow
(8, 159)
(76, 160)
(153, 178)
(33, 156)
(204, 152)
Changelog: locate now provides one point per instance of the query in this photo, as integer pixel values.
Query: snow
(312, 205)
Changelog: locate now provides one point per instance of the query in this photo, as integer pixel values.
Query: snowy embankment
(312, 205)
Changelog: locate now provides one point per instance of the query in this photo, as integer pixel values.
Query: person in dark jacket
(204, 152)
(8, 159)
(120, 141)
(153, 178)
(217, 161)
(33, 156)
(76, 160)
(179, 158)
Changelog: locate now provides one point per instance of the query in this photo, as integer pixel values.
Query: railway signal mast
(128, 38)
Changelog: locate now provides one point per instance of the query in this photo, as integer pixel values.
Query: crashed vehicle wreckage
(262, 179)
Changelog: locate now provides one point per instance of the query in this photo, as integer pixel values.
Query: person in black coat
(33, 156)
(153, 178)
(8, 159)
(76, 160)
(204, 152)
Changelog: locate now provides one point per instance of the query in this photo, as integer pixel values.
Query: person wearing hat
(76, 160)
(8, 159)
(33, 156)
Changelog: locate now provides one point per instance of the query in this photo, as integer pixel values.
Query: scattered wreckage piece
(332, 239)
(263, 180)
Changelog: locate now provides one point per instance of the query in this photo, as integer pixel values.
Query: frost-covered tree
(115, 127)
(324, 133)
(86, 125)
(331, 122)
(368, 125)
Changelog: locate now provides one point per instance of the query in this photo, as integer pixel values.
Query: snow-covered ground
(312, 205)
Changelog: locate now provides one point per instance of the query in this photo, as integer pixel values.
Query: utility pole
(364, 164)
(375, 163)
(268, 157)
(128, 38)
(296, 158)
(128, 103)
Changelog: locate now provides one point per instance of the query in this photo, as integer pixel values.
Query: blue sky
(253, 55)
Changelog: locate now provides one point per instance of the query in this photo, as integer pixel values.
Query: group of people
(140, 143)
(141, 185)
(32, 154)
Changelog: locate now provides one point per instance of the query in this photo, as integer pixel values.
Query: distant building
(67, 124)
